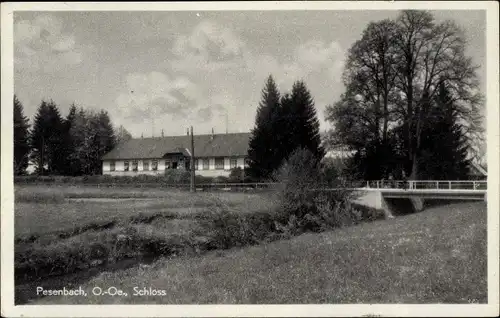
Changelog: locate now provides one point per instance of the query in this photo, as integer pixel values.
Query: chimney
(212, 137)
(162, 133)
(187, 130)
(142, 135)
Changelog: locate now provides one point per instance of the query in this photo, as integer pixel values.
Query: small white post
(378, 185)
(437, 185)
(367, 184)
(474, 184)
(449, 185)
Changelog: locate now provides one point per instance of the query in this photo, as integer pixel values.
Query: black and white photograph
(250, 154)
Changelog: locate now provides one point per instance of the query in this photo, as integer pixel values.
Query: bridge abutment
(384, 205)
(390, 207)
(418, 204)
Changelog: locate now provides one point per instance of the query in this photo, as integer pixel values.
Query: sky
(155, 71)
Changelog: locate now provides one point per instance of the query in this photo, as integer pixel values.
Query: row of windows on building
(219, 164)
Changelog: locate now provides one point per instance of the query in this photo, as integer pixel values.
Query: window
(145, 165)
(134, 165)
(205, 164)
(233, 163)
(125, 166)
(154, 165)
(168, 164)
(196, 162)
(219, 163)
(111, 166)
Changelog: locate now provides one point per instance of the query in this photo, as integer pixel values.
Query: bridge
(384, 193)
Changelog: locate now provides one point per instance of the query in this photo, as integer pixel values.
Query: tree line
(57, 145)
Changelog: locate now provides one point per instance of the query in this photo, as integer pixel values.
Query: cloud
(205, 114)
(156, 94)
(66, 43)
(211, 41)
(41, 45)
(213, 73)
(209, 47)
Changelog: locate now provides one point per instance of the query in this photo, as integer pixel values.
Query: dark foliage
(21, 139)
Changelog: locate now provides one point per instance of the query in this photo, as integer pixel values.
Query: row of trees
(412, 104)
(282, 125)
(64, 146)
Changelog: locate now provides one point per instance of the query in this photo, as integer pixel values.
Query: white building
(215, 155)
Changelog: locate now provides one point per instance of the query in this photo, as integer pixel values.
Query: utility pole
(193, 187)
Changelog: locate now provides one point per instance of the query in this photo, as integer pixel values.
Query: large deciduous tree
(93, 136)
(392, 76)
(363, 116)
(21, 139)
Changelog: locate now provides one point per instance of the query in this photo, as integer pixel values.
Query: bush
(237, 175)
(173, 176)
(203, 180)
(227, 229)
(297, 178)
(302, 207)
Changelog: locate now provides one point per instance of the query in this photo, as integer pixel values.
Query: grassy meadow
(173, 240)
(41, 210)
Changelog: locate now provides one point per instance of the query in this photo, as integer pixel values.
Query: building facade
(215, 155)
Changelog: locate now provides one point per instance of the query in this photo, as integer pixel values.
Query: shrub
(203, 180)
(173, 176)
(302, 207)
(297, 178)
(221, 179)
(227, 229)
(237, 175)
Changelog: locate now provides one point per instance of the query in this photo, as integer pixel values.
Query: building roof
(217, 145)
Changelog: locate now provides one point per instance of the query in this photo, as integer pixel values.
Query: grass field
(436, 256)
(41, 210)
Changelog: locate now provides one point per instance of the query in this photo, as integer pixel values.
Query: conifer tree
(71, 167)
(264, 142)
(444, 144)
(21, 139)
(46, 141)
(303, 130)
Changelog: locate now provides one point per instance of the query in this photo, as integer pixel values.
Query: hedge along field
(168, 177)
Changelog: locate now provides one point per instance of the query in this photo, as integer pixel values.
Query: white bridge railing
(428, 184)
